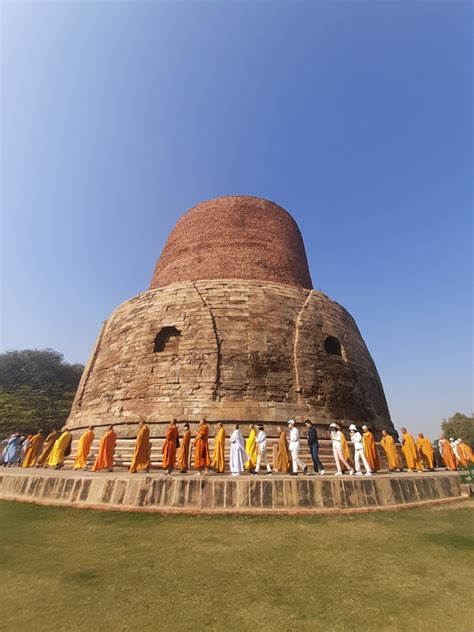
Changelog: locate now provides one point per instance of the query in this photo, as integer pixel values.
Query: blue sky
(354, 116)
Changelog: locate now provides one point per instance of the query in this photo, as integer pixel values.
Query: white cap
(291, 421)
(333, 425)
(352, 427)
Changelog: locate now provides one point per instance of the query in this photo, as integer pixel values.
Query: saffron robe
(283, 460)
(105, 456)
(425, 451)
(58, 453)
(370, 451)
(47, 447)
(391, 452)
(201, 448)
(237, 452)
(447, 454)
(183, 454)
(141, 454)
(83, 450)
(218, 462)
(410, 452)
(466, 452)
(251, 450)
(169, 447)
(34, 449)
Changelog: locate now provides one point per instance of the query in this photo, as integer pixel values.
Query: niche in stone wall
(332, 346)
(167, 339)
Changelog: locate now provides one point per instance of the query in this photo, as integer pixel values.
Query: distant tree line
(459, 426)
(37, 389)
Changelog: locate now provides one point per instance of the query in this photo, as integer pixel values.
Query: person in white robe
(262, 452)
(238, 456)
(294, 445)
(359, 454)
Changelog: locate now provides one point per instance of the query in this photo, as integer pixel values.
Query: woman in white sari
(238, 455)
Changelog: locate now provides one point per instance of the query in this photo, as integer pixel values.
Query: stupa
(231, 330)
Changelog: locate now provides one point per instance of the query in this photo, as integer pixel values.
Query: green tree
(37, 389)
(459, 426)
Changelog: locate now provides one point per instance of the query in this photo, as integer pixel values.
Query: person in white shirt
(339, 446)
(262, 452)
(238, 456)
(357, 442)
(294, 445)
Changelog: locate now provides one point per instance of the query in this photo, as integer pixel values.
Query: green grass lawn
(74, 570)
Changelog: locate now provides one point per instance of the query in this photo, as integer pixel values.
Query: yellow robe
(447, 454)
(391, 452)
(425, 450)
(410, 452)
(466, 451)
(33, 450)
(47, 448)
(58, 453)
(218, 463)
(283, 460)
(370, 450)
(251, 450)
(83, 450)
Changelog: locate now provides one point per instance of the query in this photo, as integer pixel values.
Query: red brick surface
(234, 237)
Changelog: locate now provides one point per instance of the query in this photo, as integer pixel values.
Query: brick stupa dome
(234, 237)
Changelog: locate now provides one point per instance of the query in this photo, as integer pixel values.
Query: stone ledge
(227, 495)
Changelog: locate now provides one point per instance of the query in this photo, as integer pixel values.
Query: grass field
(75, 570)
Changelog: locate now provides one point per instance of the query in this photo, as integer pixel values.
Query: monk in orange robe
(447, 453)
(83, 449)
(170, 446)
(425, 450)
(391, 452)
(410, 452)
(141, 455)
(183, 454)
(466, 451)
(218, 462)
(105, 456)
(48, 446)
(370, 449)
(34, 448)
(201, 448)
(283, 459)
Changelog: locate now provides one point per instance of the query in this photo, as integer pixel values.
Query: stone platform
(217, 494)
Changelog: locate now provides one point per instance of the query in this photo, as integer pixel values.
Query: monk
(466, 451)
(61, 449)
(425, 451)
(391, 452)
(34, 449)
(105, 456)
(410, 452)
(170, 446)
(201, 448)
(218, 463)
(251, 449)
(141, 455)
(370, 450)
(447, 454)
(283, 459)
(47, 448)
(183, 454)
(83, 449)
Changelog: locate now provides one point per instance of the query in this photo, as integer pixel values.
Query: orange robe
(218, 463)
(391, 451)
(447, 454)
(201, 448)
(169, 447)
(425, 450)
(410, 452)
(466, 452)
(283, 460)
(48, 446)
(183, 454)
(141, 454)
(83, 450)
(105, 456)
(370, 451)
(33, 450)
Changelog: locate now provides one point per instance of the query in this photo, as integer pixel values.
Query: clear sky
(354, 116)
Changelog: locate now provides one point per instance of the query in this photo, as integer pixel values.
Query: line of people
(251, 455)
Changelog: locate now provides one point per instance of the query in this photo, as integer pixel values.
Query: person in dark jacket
(313, 444)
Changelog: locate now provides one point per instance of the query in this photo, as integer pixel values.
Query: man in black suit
(314, 447)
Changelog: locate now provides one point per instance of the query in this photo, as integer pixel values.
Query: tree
(37, 389)
(459, 426)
